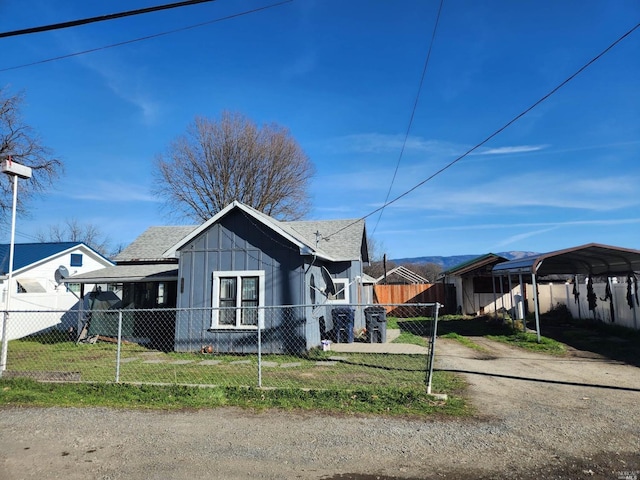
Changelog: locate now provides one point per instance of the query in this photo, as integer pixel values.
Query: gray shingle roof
(128, 273)
(153, 243)
(339, 239)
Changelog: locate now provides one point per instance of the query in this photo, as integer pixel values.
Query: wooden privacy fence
(415, 293)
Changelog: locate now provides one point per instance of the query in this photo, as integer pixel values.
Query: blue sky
(344, 78)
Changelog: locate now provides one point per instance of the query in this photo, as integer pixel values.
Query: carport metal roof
(590, 259)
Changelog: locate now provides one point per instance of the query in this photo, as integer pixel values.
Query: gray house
(242, 270)
(239, 270)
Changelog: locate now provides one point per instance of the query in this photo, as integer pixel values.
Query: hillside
(448, 262)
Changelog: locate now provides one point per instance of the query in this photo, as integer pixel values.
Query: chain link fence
(303, 346)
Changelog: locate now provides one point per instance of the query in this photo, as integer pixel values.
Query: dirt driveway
(537, 417)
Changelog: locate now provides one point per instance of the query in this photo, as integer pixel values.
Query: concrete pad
(128, 359)
(181, 362)
(210, 362)
(153, 361)
(291, 365)
(270, 364)
(240, 362)
(322, 363)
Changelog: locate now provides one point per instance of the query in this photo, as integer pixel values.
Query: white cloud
(385, 143)
(511, 150)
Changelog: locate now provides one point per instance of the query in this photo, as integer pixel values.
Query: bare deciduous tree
(219, 161)
(19, 140)
(74, 231)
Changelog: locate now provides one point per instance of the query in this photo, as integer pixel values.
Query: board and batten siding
(237, 243)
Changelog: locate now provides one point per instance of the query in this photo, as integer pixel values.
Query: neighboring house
(475, 286)
(146, 281)
(244, 258)
(239, 258)
(34, 286)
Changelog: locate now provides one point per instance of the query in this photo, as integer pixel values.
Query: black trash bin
(343, 324)
(376, 322)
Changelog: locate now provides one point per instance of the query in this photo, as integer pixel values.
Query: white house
(34, 286)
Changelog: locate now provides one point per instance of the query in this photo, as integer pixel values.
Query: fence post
(259, 353)
(5, 341)
(432, 349)
(118, 348)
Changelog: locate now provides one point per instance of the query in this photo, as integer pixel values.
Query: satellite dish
(61, 274)
(330, 287)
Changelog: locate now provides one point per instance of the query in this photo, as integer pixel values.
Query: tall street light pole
(14, 170)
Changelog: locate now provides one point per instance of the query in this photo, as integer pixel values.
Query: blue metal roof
(25, 254)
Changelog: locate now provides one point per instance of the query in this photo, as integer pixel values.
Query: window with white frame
(237, 299)
(342, 291)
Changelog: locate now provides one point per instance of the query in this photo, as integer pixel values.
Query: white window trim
(215, 300)
(346, 300)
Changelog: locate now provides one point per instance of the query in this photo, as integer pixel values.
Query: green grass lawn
(357, 382)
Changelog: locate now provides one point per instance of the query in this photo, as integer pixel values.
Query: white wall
(56, 297)
(624, 315)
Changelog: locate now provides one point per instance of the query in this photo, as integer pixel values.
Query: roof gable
(26, 254)
(333, 240)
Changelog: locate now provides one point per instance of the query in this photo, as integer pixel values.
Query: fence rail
(302, 346)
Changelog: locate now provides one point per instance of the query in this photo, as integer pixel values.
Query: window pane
(249, 315)
(227, 303)
(227, 316)
(250, 288)
(227, 289)
(76, 260)
(341, 290)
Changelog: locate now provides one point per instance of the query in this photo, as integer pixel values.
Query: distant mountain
(449, 262)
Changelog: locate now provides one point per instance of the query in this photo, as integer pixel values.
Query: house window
(342, 291)
(76, 260)
(73, 287)
(237, 299)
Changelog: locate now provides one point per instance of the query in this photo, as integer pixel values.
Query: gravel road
(537, 417)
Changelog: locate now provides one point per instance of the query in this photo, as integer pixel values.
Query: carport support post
(513, 308)
(635, 310)
(502, 297)
(521, 307)
(535, 304)
(495, 298)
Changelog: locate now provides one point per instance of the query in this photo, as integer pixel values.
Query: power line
(498, 131)
(101, 18)
(413, 112)
(148, 37)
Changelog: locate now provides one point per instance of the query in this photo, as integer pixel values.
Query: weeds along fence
(303, 346)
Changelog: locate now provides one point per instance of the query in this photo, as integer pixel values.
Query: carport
(591, 260)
